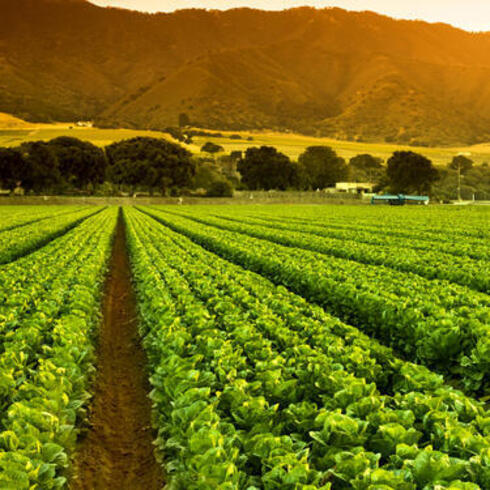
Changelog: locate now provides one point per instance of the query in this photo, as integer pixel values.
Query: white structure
(85, 124)
(354, 187)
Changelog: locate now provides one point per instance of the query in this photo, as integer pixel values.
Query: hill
(289, 143)
(347, 75)
(8, 121)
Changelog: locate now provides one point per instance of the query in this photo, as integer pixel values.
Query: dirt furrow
(117, 451)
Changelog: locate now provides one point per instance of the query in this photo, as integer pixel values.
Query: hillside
(8, 121)
(329, 72)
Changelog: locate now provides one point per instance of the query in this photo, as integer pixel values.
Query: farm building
(353, 187)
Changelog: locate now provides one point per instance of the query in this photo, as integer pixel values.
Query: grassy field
(13, 132)
(294, 144)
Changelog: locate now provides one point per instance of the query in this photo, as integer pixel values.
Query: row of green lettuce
(430, 262)
(414, 222)
(25, 239)
(16, 216)
(254, 387)
(441, 325)
(49, 309)
(454, 241)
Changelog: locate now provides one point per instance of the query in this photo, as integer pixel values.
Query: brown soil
(117, 452)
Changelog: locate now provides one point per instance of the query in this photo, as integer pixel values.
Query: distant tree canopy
(41, 168)
(54, 166)
(366, 161)
(266, 168)
(150, 162)
(236, 155)
(68, 165)
(220, 188)
(12, 168)
(321, 167)
(461, 163)
(79, 162)
(211, 147)
(366, 168)
(476, 182)
(411, 172)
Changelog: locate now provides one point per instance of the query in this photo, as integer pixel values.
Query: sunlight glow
(473, 15)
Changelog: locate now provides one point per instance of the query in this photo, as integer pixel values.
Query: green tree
(80, 163)
(365, 168)
(410, 172)
(13, 168)
(321, 167)
(150, 162)
(41, 172)
(236, 155)
(461, 164)
(220, 188)
(211, 147)
(266, 168)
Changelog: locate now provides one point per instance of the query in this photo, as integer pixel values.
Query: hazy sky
(468, 14)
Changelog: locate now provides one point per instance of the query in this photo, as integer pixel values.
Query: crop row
(19, 241)
(255, 387)
(427, 223)
(49, 306)
(441, 325)
(15, 216)
(375, 235)
(429, 263)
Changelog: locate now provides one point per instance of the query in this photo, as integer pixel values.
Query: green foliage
(254, 386)
(12, 168)
(220, 188)
(475, 182)
(41, 166)
(22, 240)
(366, 168)
(366, 162)
(206, 174)
(266, 168)
(461, 163)
(80, 163)
(425, 328)
(150, 162)
(321, 167)
(212, 148)
(49, 304)
(287, 395)
(409, 172)
(236, 155)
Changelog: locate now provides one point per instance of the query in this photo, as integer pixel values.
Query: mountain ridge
(351, 75)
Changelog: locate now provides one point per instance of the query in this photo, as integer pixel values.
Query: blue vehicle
(399, 199)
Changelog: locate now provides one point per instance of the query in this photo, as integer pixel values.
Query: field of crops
(287, 347)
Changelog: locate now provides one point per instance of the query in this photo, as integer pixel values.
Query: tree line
(156, 166)
(68, 164)
(319, 167)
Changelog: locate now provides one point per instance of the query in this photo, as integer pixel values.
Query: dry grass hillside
(354, 76)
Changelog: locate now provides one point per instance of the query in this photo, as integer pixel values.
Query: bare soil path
(117, 452)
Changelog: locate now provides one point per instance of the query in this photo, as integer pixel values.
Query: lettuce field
(245, 347)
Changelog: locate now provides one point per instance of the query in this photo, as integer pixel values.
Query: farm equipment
(399, 199)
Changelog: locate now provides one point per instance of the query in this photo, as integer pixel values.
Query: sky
(473, 15)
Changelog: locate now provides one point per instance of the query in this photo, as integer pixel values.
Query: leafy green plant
(292, 386)
(46, 356)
